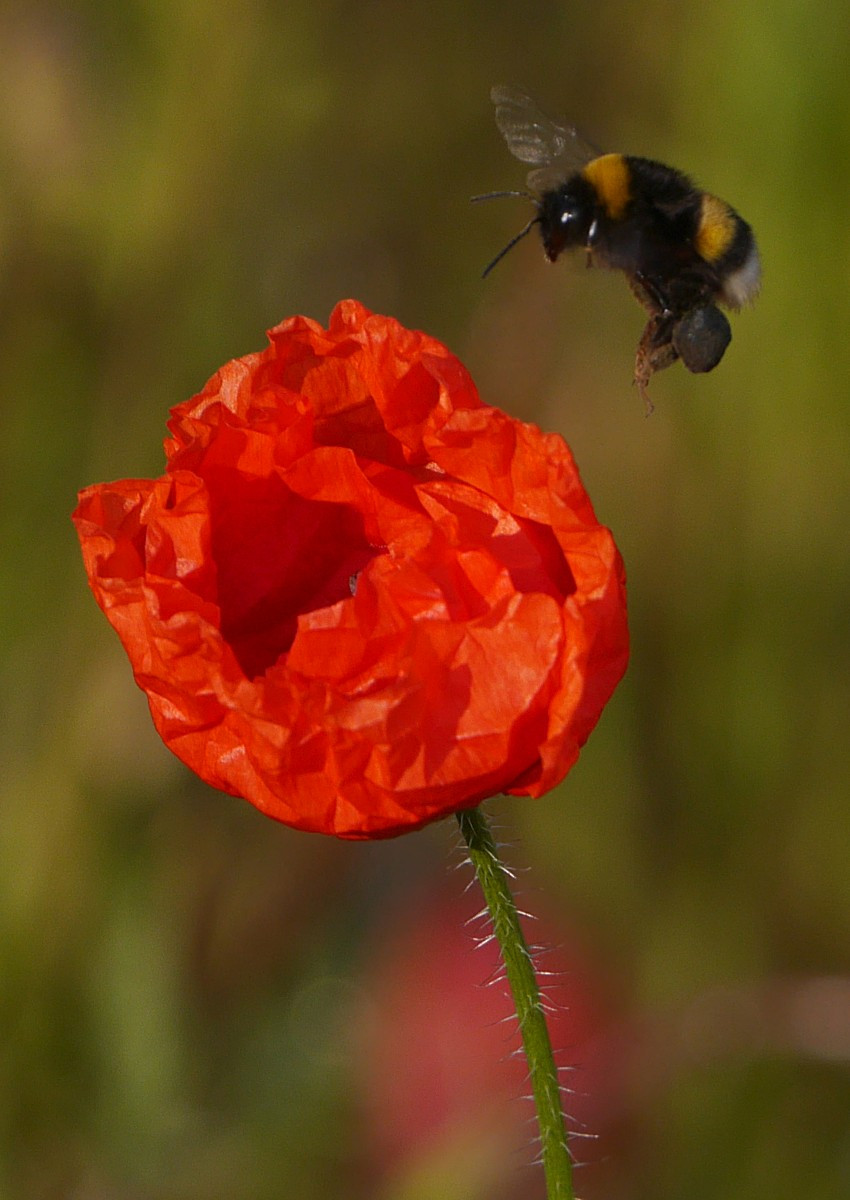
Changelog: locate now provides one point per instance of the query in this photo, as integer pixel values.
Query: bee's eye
(566, 217)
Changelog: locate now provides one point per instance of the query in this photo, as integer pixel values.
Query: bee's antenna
(500, 196)
(534, 220)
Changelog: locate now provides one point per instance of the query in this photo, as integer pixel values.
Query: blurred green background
(197, 1003)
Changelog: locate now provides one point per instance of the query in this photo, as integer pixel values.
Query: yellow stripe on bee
(611, 178)
(716, 228)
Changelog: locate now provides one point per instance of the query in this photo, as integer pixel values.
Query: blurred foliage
(186, 988)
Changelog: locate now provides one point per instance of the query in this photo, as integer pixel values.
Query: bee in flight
(683, 251)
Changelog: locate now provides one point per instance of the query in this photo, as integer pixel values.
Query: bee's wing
(555, 150)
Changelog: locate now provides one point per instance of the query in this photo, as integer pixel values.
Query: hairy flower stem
(523, 983)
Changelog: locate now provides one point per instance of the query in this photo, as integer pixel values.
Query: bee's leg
(655, 352)
(649, 294)
(591, 239)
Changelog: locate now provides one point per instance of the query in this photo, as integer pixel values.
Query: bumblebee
(682, 250)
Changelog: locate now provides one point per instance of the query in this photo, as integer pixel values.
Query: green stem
(523, 983)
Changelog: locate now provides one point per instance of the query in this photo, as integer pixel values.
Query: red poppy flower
(358, 597)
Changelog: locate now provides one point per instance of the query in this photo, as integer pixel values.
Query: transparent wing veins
(532, 137)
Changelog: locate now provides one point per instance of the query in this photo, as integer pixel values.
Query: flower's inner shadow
(278, 554)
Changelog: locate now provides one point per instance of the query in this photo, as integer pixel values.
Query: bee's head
(565, 215)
